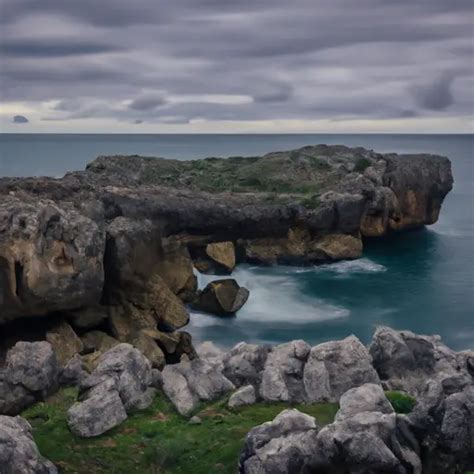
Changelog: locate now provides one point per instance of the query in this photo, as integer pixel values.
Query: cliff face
(108, 234)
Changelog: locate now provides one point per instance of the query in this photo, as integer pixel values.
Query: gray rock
(18, 451)
(195, 420)
(13, 398)
(367, 397)
(32, 365)
(243, 396)
(133, 372)
(211, 353)
(283, 446)
(243, 364)
(335, 367)
(189, 382)
(74, 372)
(101, 411)
(282, 377)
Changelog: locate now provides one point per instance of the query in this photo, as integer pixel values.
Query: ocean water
(421, 280)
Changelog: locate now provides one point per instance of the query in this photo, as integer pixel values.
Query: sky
(227, 66)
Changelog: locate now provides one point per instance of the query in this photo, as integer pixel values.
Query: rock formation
(113, 248)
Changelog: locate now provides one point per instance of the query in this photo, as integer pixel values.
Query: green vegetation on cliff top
(156, 440)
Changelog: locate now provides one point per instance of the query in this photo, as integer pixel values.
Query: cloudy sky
(236, 65)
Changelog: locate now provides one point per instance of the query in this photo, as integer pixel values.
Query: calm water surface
(423, 280)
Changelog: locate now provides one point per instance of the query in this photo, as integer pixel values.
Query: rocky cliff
(111, 249)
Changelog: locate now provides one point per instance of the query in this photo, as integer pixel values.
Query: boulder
(101, 411)
(339, 246)
(336, 366)
(149, 348)
(217, 257)
(65, 342)
(13, 398)
(282, 376)
(51, 257)
(189, 382)
(243, 396)
(74, 372)
(285, 445)
(221, 297)
(244, 363)
(18, 451)
(34, 366)
(367, 397)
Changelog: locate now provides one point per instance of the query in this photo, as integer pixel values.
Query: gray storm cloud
(307, 59)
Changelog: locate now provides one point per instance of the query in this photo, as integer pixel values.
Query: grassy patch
(401, 402)
(156, 440)
(361, 165)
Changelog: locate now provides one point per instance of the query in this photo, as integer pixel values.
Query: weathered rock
(243, 364)
(216, 257)
(100, 412)
(336, 366)
(91, 360)
(367, 397)
(407, 361)
(285, 445)
(282, 376)
(50, 257)
(339, 246)
(243, 396)
(34, 366)
(221, 297)
(74, 371)
(98, 341)
(65, 342)
(189, 382)
(148, 347)
(13, 398)
(18, 451)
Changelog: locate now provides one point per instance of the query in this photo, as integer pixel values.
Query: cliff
(119, 240)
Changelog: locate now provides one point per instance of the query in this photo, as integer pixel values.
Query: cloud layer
(255, 61)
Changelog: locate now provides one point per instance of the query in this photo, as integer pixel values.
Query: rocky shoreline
(98, 270)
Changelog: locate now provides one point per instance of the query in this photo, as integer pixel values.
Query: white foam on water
(274, 297)
(361, 265)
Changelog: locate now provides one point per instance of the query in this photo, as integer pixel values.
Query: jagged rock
(133, 371)
(74, 371)
(407, 361)
(243, 396)
(336, 366)
(243, 364)
(367, 397)
(148, 347)
(18, 451)
(100, 412)
(98, 341)
(189, 382)
(284, 445)
(87, 318)
(221, 297)
(91, 360)
(282, 376)
(211, 353)
(216, 257)
(50, 257)
(13, 398)
(34, 366)
(65, 342)
(339, 246)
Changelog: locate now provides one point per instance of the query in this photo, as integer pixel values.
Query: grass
(401, 402)
(361, 165)
(156, 440)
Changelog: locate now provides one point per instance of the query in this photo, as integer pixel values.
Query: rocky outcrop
(221, 297)
(217, 257)
(18, 451)
(31, 373)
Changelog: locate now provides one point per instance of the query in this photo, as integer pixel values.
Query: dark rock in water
(222, 297)
(18, 451)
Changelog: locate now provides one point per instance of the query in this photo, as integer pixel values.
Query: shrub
(401, 401)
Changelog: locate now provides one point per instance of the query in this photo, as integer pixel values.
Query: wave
(362, 265)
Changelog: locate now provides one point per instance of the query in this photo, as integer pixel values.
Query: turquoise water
(422, 280)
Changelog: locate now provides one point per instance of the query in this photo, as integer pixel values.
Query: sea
(421, 280)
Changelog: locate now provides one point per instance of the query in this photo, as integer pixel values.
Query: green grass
(401, 402)
(156, 440)
(361, 165)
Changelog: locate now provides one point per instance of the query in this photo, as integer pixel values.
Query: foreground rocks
(18, 451)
